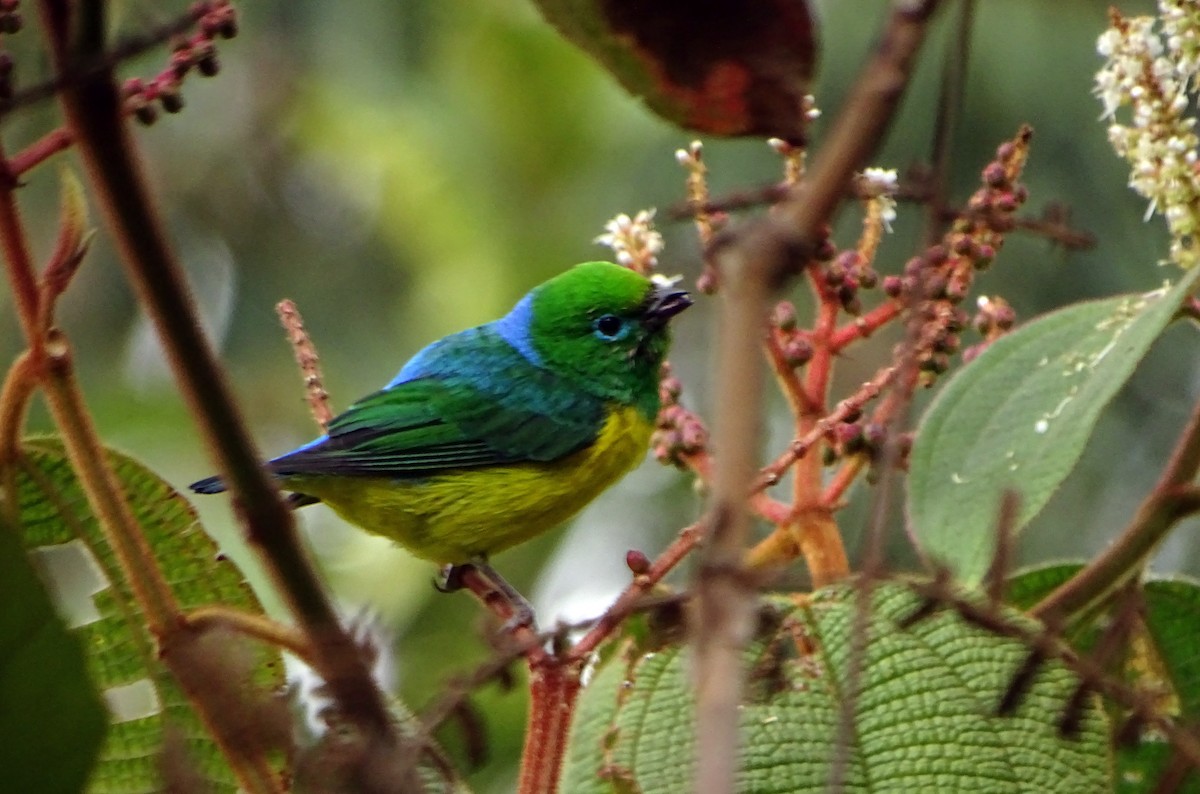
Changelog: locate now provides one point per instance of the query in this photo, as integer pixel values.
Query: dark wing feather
(475, 402)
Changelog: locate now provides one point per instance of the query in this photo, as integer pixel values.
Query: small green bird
(496, 434)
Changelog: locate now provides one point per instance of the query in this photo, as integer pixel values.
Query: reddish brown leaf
(723, 67)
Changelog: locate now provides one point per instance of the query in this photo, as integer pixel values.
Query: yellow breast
(453, 517)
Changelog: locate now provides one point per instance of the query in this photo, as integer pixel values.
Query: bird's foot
(450, 579)
(521, 615)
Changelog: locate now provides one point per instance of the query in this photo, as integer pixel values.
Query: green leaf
(1019, 416)
(51, 719)
(1172, 615)
(1140, 768)
(924, 721)
(1165, 660)
(145, 701)
(1027, 587)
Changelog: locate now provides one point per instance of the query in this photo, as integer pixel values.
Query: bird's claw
(451, 578)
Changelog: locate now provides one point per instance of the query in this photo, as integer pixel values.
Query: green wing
(489, 410)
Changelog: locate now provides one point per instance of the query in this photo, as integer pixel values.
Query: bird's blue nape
(515, 328)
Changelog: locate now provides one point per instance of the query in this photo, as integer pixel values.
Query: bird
(493, 435)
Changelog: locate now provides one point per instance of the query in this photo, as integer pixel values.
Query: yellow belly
(453, 517)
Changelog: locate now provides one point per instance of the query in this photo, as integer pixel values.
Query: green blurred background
(403, 170)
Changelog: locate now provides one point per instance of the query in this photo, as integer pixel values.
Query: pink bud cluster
(939, 279)
(214, 19)
(795, 343)
(858, 437)
(846, 274)
(678, 433)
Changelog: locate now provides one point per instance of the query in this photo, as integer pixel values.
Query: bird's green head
(605, 328)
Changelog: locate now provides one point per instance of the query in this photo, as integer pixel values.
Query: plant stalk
(92, 107)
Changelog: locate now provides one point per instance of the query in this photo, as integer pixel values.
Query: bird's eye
(608, 326)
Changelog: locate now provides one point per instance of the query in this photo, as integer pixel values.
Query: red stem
(625, 603)
(807, 487)
(553, 690)
(864, 326)
(842, 480)
(39, 151)
(785, 373)
(16, 254)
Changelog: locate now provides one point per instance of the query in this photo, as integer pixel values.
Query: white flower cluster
(880, 185)
(1151, 72)
(634, 241)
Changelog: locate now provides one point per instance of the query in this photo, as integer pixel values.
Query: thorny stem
(91, 104)
(1173, 497)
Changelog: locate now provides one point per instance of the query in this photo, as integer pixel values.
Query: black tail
(215, 485)
(208, 485)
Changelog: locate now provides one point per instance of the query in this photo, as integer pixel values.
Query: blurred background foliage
(404, 170)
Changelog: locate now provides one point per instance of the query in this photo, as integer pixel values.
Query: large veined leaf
(924, 719)
(1019, 416)
(51, 719)
(1163, 656)
(145, 702)
(1025, 588)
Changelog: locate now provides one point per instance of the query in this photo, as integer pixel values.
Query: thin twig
(128, 48)
(627, 602)
(258, 627)
(949, 107)
(799, 447)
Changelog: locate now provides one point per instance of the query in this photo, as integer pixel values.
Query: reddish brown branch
(627, 602)
(39, 151)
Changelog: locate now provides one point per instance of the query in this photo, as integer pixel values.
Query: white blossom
(634, 241)
(1150, 63)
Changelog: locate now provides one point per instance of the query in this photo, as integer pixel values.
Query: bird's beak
(665, 303)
